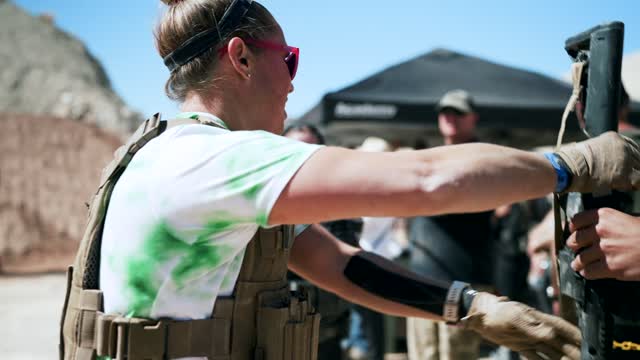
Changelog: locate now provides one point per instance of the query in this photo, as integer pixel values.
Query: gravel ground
(30, 313)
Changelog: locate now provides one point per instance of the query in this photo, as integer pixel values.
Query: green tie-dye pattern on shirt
(243, 181)
(202, 254)
(232, 271)
(252, 192)
(161, 245)
(250, 183)
(262, 218)
(142, 283)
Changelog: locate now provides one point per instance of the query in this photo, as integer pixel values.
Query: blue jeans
(366, 332)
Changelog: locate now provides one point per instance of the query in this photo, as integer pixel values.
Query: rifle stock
(605, 309)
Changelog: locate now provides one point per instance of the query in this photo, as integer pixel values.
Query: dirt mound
(49, 168)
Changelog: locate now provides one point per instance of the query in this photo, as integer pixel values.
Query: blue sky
(343, 41)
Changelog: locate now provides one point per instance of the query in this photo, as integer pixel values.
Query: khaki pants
(433, 340)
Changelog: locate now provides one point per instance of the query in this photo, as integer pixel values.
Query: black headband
(203, 41)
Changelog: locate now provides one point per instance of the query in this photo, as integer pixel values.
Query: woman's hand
(522, 328)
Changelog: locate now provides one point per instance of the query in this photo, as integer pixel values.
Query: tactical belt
(119, 337)
(125, 338)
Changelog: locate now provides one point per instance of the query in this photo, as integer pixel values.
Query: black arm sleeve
(421, 294)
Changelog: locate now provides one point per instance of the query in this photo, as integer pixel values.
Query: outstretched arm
(322, 259)
(340, 183)
(343, 183)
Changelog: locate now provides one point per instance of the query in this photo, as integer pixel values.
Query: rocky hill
(47, 71)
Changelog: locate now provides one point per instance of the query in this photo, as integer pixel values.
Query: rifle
(603, 309)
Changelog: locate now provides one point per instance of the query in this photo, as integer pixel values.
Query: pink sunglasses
(291, 59)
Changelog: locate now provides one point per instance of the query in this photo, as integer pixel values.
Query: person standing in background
(457, 246)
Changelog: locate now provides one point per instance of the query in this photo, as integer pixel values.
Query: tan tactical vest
(261, 321)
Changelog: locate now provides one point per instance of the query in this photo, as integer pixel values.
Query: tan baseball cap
(458, 100)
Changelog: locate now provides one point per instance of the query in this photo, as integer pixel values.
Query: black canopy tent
(515, 106)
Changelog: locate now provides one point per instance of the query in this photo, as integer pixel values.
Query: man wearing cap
(450, 246)
(457, 117)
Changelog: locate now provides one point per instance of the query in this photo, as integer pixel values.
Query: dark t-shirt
(453, 247)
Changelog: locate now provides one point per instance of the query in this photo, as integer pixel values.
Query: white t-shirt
(182, 214)
(378, 237)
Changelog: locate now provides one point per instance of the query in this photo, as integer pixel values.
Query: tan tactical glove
(522, 328)
(608, 161)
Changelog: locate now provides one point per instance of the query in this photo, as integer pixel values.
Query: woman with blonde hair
(192, 257)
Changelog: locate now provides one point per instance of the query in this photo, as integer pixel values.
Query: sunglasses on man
(451, 111)
(291, 59)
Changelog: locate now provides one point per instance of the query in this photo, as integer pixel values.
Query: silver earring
(248, 75)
